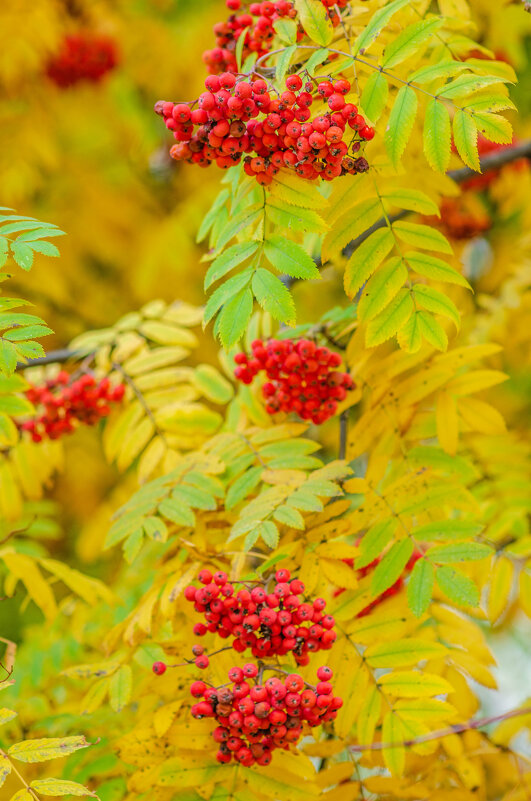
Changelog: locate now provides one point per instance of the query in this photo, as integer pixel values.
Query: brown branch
(458, 728)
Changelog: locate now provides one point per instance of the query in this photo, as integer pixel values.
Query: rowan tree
(266, 547)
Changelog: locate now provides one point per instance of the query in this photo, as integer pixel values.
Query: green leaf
(177, 512)
(494, 127)
(27, 332)
(374, 542)
(437, 135)
(490, 103)
(408, 42)
(245, 218)
(390, 568)
(155, 529)
(315, 21)
(229, 259)
(212, 384)
(235, 317)
(8, 357)
(366, 258)
(437, 302)
(269, 533)
(14, 405)
(380, 290)
(273, 296)
(243, 486)
(238, 52)
(420, 587)
(447, 529)
(22, 254)
(290, 258)
(422, 236)
(376, 24)
(410, 337)
(317, 58)
(212, 214)
(46, 248)
(390, 320)
(294, 218)
(60, 787)
(44, 749)
(432, 267)
(459, 552)
(374, 96)
(412, 200)
(441, 69)
(195, 497)
(400, 123)
(432, 330)
(283, 63)
(466, 139)
(289, 517)
(120, 688)
(227, 291)
(286, 30)
(458, 587)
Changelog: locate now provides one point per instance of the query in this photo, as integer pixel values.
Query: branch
(53, 357)
(458, 728)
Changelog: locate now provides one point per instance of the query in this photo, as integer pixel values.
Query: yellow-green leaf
(60, 787)
(49, 748)
(120, 688)
(315, 21)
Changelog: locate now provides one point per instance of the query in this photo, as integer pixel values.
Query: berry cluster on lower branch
(63, 404)
(256, 715)
(255, 718)
(303, 377)
(237, 116)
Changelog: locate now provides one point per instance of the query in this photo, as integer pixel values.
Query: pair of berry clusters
(255, 718)
(257, 27)
(303, 377)
(271, 622)
(224, 127)
(83, 57)
(64, 404)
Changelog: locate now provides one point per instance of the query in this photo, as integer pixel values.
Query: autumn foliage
(264, 427)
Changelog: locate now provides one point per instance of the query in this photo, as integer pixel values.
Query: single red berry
(202, 662)
(159, 668)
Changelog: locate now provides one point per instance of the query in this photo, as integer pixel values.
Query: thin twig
(458, 728)
(343, 433)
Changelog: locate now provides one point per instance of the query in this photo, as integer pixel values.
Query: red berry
(159, 668)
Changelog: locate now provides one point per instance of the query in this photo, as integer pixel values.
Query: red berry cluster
(83, 57)
(223, 127)
(303, 377)
(254, 718)
(257, 26)
(270, 622)
(64, 405)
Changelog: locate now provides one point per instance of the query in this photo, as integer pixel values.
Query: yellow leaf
(500, 585)
(151, 458)
(60, 787)
(338, 573)
(165, 334)
(120, 688)
(10, 496)
(475, 669)
(22, 795)
(44, 749)
(369, 716)
(164, 717)
(412, 683)
(135, 442)
(525, 592)
(402, 653)
(481, 416)
(25, 569)
(475, 381)
(425, 709)
(393, 732)
(94, 697)
(447, 422)
(5, 768)
(88, 588)
(6, 715)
